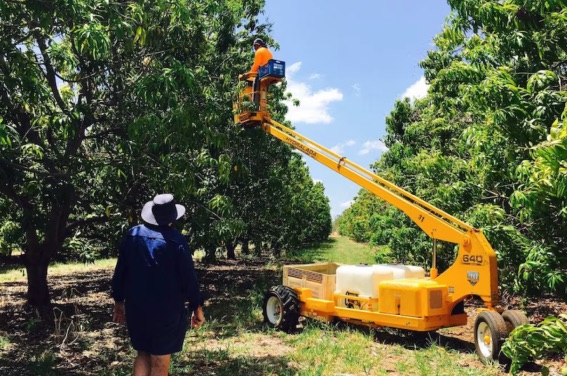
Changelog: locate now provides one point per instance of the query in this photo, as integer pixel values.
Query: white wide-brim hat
(162, 210)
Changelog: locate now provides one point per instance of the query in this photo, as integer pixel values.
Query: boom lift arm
(474, 271)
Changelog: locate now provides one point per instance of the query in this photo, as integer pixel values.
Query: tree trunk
(245, 246)
(210, 254)
(230, 247)
(38, 291)
(258, 248)
(276, 248)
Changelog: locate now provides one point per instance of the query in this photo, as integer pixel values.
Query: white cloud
(293, 68)
(356, 88)
(315, 76)
(313, 106)
(372, 145)
(347, 204)
(340, 148)
(417, 90)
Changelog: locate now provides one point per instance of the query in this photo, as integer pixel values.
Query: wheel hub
(274, 310)
(484, 335)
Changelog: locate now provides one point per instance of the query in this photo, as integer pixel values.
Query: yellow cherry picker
(382, 295)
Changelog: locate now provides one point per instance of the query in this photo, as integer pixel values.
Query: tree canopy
(104, 104)
(487, 144)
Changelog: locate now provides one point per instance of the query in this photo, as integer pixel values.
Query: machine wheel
(281, 308)
(514, 318)
(489, 334)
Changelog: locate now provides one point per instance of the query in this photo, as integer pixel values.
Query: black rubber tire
(490, 332)
(514, 318)
(281, 308)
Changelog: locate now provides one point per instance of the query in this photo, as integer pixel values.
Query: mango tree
(103, 104)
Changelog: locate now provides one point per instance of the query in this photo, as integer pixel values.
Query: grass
(330, 350)
(18, 274)
(42, 365)
(337, 249)
(4, 342)
(325, 350)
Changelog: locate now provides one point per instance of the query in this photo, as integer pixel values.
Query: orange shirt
(262, 56)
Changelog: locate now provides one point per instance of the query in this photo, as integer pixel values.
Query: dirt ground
(81, 340)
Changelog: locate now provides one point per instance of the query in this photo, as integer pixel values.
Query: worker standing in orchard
(154, 278)
(261, 57)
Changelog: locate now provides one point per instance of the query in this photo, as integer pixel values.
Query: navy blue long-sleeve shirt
(155, 274)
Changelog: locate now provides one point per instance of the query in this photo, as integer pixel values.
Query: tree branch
(50, 73)
(115, 131)
(75, 224)
(16, 166)
(82, 78)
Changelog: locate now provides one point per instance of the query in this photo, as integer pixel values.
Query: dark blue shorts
(157, 336)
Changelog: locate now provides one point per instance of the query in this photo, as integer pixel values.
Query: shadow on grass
(422, 340)
(223, 363)
(235, 298)
(79, 338)
(7, 268)
(405, 338)
(217, 362)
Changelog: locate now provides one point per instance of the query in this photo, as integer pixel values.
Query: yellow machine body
(418, 304)
(416, 298)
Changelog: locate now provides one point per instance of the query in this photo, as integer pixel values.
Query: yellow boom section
(436, 223)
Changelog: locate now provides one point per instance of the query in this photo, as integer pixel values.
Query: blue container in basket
(274, 68)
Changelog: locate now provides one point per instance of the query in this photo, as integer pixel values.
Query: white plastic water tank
(362, 280)
(408, 271)
(415, 272)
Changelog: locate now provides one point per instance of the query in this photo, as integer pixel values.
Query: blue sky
(347, 63)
